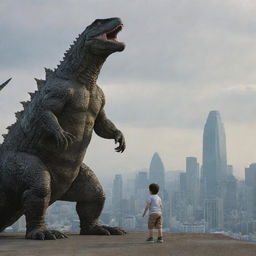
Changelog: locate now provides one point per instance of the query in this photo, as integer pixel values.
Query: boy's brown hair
(154, 188)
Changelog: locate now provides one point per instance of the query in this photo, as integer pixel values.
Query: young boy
(155, 219)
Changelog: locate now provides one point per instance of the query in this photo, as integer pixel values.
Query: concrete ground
(177, 244)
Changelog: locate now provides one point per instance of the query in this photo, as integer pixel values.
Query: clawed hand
(64, 139)
(120, 139)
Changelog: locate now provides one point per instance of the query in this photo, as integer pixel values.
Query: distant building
(178, 207)
(117, 196)
(214, 169)
(141, 181)
(172, 183)
(183, 183)
(250, 175)
(157, 172)
(213, 212)
(250, 187)
(241, 204)
(231, 196)
(141, 191)
(193, 182)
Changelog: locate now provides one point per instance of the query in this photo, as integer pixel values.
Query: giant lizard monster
(41, 157)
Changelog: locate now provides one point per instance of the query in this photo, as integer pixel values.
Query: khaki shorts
(155, 220)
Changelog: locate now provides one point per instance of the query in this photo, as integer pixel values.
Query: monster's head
(94, 45)
(101, 36)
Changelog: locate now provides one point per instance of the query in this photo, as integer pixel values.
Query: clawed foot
(103, 230)
(115, 230)
(38, 234)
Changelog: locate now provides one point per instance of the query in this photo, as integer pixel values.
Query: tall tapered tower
(214, 169)
(157, 172)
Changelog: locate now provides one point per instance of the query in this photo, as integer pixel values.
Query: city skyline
(213, 125)
(227, 205)
(203, 197)
(185, 210)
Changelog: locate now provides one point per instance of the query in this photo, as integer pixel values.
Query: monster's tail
(4, 84)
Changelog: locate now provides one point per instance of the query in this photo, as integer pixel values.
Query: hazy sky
(183, 58)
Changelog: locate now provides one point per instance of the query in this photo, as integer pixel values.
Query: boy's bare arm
(146, 209)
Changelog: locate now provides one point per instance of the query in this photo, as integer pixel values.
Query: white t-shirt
(155, 204)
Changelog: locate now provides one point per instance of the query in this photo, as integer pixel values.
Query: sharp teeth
(102, 36)
(113, 33)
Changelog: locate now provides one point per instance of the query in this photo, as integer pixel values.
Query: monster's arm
(52, 105)
(104, 128)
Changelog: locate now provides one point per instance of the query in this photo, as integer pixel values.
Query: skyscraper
(231, 196)
(117, 194)
(157, 175)
(183, 184)
(141, 181)
(192, 175)
(231, 193)
(250, 182)
(157, 172)
(213, 212)
(141, 191)
(214, 169)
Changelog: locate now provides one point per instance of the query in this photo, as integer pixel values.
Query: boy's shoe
(160, 239)
(150, 240)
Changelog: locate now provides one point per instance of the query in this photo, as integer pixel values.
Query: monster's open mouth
(111, 35)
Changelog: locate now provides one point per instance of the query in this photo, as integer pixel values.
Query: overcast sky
(183, 58)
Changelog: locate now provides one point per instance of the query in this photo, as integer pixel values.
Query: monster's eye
(98, 23)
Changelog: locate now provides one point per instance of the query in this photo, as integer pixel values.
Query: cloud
(190, 41)
(183, 59)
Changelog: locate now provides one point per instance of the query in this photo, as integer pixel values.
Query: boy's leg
(150, 233)
(160, 232)
(150, 225)
(160, 229)
(150, 230)
(160, 236)
(150, 236)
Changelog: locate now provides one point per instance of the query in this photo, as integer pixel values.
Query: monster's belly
(64, 164)
(80, 125)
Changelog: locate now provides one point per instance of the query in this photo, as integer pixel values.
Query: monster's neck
(85, 71)
(89, 70)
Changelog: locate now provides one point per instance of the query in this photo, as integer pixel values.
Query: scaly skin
(41, 156)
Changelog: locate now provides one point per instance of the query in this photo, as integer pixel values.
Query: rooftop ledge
(176, 244)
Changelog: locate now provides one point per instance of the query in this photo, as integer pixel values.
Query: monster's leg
(88, 193)
(33, 178)
(10, 211)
